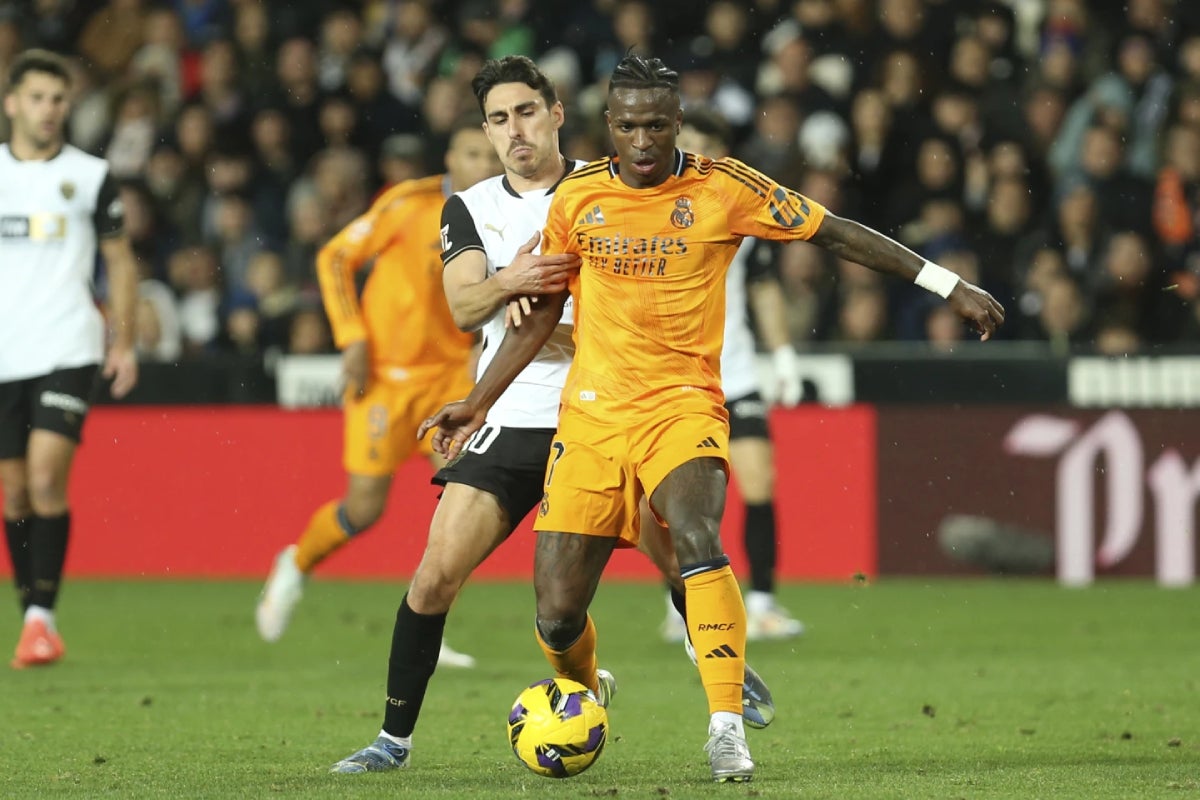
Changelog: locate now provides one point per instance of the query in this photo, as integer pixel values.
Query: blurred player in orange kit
(643, 412)
(402, 357)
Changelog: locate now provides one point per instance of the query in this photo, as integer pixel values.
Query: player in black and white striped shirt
(57, 205)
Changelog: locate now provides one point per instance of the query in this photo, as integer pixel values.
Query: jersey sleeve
(459, 233)
(344, 255)
(759, 206)
(556, 235)
(109, 215)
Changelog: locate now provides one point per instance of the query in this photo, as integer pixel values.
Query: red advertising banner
(1113, 491)
(217, 491)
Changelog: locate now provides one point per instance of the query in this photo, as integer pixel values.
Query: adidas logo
(724, 651)
(593, 217)
(709, 442)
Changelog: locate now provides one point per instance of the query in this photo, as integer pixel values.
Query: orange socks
(578, 662)
(321, 538)
(716, 621)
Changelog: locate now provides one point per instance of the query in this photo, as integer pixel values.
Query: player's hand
(122, 367)
(787, 375)
(356, 369)
(517, 309)
(537, 274)
(455, 423)
(978, 308)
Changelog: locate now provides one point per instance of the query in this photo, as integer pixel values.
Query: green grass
(899, 690)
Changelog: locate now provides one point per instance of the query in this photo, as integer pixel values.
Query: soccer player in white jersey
(750, 280)
(489, 233)
(57, 204)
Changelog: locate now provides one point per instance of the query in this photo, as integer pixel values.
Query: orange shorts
(380, 428)
(598, 471)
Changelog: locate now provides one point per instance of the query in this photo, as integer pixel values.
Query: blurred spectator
(379, 114)
(135, 127)
(1062, 318)
(402, 158)
(309, 332)
(275, 298)
(159, 335)
(341, 36)
(177, 191)
(163, 59)
(112, 35)
(202, 19)
(1132, 99)
(251, 37)
(194, 277)
(298, 96)
(412, 50)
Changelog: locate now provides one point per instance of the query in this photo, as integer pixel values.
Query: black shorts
(56, 402)
(747, 417)
(507, 463)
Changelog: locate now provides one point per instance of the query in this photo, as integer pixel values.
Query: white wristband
(938, 280)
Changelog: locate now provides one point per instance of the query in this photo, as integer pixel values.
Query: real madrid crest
(68, 189)
(682, 216)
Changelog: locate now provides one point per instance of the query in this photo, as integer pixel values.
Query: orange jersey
(403, 313)
(650, 295)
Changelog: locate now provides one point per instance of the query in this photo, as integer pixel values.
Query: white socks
(723, 718)
(403, 741)
(759, 602)
(45, 615)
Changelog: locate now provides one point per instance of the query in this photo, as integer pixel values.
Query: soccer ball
(557, 728)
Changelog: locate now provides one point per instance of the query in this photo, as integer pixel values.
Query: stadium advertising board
(1114, 491)
(215, 491)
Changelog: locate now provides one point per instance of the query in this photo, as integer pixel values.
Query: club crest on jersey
(68, 190)
(682, 216)
(544, 507)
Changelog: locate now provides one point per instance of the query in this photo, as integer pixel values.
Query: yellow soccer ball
(557, 728)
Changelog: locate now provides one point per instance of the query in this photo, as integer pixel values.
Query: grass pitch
(981, 689)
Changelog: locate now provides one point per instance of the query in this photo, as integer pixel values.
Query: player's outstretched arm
(858, 243)
(455, 422)
(121, 364)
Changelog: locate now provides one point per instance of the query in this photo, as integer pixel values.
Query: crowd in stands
(1048, 150)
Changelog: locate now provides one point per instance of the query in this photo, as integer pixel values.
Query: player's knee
(433, 590)
(694, 543)
(46, 492)
(363, 511)
(14, 489)
(560, 632)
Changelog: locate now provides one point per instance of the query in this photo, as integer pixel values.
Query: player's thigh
(566, 571)
(753, 467)
(590, 486)
(690, 499)
(16, 418)
(655, 543)
(468, 524)
(683, 463)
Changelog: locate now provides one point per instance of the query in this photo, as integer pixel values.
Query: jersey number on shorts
(482, 439)
(559, 448)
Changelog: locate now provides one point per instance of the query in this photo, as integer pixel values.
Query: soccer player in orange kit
(402, 357)
(642, 410)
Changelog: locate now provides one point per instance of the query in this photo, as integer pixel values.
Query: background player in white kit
(751, 280)
(488, 234)
(56, 204)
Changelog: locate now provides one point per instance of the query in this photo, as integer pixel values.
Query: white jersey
(51, 214)
(739, 369)
(493, 217)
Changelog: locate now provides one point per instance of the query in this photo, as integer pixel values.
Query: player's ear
(558, 114)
